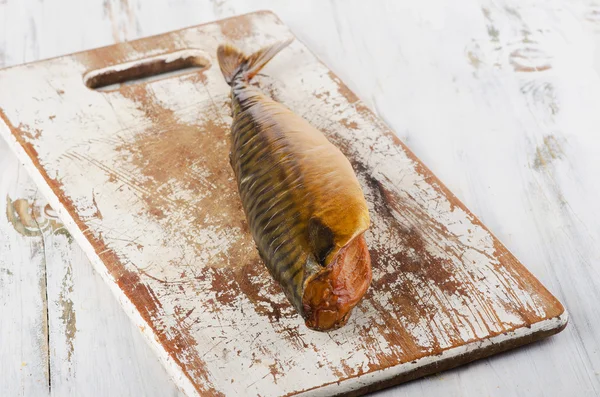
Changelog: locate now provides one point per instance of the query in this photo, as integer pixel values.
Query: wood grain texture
(380, 51)
(140, 177)
(23, 299)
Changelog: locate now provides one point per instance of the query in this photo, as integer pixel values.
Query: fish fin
(260, 58)
(233, 62)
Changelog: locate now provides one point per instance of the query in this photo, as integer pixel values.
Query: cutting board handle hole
(145, 70)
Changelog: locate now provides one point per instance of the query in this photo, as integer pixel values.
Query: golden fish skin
(303, 202)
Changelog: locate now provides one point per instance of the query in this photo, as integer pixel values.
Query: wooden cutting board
(139, 174)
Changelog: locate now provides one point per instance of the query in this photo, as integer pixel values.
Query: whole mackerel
(303, 202)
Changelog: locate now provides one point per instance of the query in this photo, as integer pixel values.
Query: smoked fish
(303, 202)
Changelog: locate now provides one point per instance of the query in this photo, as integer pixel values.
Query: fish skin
(301, 197)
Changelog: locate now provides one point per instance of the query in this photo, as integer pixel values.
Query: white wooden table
(509, 121)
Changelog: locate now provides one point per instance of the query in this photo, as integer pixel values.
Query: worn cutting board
(139, 173)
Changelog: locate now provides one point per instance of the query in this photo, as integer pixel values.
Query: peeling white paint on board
(140, 177)
(24, 345)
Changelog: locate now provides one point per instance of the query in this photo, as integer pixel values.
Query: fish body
(302, 200)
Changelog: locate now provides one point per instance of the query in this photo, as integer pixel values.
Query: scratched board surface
(139, 174)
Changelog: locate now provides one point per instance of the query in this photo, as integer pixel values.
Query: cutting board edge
(134, 41)
(448, 359)
(179, 377)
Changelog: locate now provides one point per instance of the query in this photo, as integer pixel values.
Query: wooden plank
(23, 301)
(492, 303)
(24, 331)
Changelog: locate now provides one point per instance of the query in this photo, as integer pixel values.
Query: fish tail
(235, 63)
